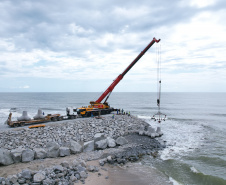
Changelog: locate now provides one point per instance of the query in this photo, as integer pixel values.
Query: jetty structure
(114, 141)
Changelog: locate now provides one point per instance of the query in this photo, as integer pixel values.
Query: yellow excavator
(96, 107)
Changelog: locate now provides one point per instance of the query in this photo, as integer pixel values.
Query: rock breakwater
(76, 169)
(79, 130)
(111, 140)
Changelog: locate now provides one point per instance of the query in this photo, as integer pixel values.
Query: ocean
(194, 131)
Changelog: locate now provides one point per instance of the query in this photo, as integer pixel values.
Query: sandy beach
(128, 174)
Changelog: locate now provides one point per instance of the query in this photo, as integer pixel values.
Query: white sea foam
(194, 170)
(180, 138)
(174, 181)
(146, 117)
(4, 113)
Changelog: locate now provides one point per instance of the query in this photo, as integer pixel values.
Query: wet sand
(129, 174)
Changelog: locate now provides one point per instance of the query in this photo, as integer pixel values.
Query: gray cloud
(46, 24)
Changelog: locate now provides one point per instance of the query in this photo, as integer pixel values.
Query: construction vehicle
(96, 107)
(71, 114)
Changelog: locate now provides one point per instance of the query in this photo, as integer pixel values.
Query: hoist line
(158, 116)
(158, 59)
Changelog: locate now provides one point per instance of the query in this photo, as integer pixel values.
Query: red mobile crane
(97, 107)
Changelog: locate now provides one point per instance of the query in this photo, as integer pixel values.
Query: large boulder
(58, 168)
(40, 153)
(26, 174)
(39, 177)
(64, 151)
(82, 163)
(65, 164)
(28, 155)
(80, 168)
(75, 163)
(75, 147)
(53, 149)
(98, 137)
(13, 179)
(88, 146)
(17, 155)
(102, 144)
(5, 157)
(111, 142)
(48, 181)
(121, 141)
(83, 174)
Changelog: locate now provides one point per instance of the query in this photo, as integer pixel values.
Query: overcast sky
(82, 46)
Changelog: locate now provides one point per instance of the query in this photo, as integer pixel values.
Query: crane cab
(71, 112)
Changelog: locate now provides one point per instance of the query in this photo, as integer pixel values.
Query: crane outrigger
(96, 107)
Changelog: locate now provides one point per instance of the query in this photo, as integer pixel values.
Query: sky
(83, 45)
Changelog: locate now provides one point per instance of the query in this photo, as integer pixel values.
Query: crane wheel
(53, 119)
(59, 118)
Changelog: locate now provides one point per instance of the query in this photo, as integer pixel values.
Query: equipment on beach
(97, 107)
(71, 113)
(36, 126)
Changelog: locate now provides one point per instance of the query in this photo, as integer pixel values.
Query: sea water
(194, 131)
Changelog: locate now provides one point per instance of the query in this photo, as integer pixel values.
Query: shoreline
(128, 174)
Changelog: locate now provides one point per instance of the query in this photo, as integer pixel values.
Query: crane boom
(119, 78)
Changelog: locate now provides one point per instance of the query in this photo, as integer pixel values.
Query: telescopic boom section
(119, 78)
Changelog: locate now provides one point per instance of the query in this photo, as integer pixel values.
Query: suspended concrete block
(39, 115)
(159, 131)
(24, 117)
